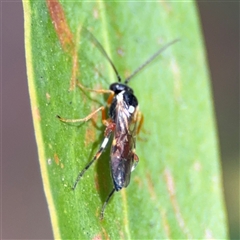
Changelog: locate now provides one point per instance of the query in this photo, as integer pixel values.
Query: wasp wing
(123, 146)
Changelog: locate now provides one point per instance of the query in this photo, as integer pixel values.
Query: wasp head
(119, 87)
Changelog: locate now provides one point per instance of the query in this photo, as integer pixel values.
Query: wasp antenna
(101, 49)
(150, 60)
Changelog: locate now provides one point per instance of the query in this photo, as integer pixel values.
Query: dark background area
(24, 213)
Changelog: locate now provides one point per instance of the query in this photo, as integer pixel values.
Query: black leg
(106, 202)
(97, 155)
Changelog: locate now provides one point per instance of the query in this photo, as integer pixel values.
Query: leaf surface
(175, 191)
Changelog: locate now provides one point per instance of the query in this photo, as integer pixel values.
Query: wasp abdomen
(121, 172)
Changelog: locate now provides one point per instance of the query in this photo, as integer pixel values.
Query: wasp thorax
(130, 100)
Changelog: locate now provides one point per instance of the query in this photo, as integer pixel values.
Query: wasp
(124, 122)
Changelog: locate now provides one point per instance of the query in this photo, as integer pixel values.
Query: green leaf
(175, 191)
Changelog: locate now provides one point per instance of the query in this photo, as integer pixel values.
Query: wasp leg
(140, 119)
(97, 155)
(106, 202)
(109, 129)
(95, 90)
(102, 108)
(135, 163)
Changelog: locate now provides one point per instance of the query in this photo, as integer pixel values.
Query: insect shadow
(102, 178)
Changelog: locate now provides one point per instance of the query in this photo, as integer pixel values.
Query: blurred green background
(24, 210)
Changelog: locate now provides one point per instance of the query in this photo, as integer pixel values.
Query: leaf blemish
(127, 73)
(89, 135)
(97, 237)
(151, 187)
(171, 189)
(96, 182)
(56, 159)
(160, 41)
(36, 114)
(95, 13)
(120, 52)
(166, 225)
(138, 181)
(60, 24)
(208, 234)
(105, 234)
(75, 70)
(197, 166)
(65, 36)
(49, 161)
(154, 198)
(48, 96)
